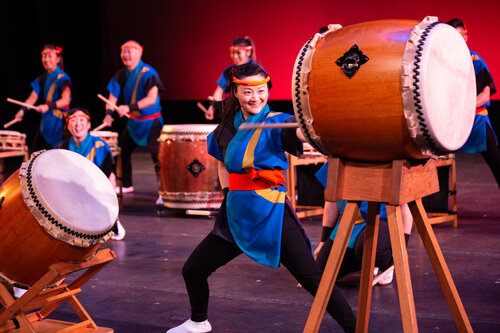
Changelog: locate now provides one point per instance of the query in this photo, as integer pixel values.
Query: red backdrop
(187, 41)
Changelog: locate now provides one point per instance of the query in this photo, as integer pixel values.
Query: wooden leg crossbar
(395, 184)
(20, 315)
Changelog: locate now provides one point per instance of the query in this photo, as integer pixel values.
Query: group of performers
(256, 216)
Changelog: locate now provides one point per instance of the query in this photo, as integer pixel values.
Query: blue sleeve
(214, 148)
(36, 86)
(322, 174)
(114, 87)
(221, 81)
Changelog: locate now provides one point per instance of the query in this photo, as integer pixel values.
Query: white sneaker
(129, 189)
(121, 232)
(389, 276)
(190, 326)
(159, 201)
(18, 292)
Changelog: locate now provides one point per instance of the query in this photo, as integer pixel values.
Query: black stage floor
(143, 290)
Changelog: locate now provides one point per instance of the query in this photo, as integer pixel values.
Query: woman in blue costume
(242, 51)
(354, 253)
(94, 149)
(52, 90)
(482, 139)
(255, 218)
(139, 85)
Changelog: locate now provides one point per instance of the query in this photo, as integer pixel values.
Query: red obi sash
(483, 111)
(151, 116)
(255, 180)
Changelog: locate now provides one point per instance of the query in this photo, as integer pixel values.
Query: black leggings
(128, 145)
(353, 257)
(214, 252)
(492, 154)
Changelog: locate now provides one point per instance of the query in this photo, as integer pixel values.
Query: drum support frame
(395, 184)
(18, 314)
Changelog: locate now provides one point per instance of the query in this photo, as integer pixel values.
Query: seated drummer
(93, 148)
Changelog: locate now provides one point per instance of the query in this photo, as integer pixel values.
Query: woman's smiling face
(252, 98)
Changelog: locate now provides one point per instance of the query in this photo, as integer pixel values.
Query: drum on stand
(58, 207)
(385, 90)
(188, 174)
(111, 139)
(12, 140)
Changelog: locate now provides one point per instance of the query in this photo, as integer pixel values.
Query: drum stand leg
(38, 296)
(374, 184)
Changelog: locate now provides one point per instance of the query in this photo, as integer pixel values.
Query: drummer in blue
(139, 85)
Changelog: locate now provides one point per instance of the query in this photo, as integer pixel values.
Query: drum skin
(188, 174)
(26, 250)
(361, 118)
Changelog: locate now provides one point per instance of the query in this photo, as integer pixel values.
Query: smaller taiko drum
(12, 141)
(58, 207)
(111, 139)
(188, 174)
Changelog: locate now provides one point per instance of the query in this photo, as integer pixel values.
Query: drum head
(443, 98)
(69, 196)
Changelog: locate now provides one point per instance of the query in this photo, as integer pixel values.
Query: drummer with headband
(53, 90)
(139, 85)
(94, 149)
(482, 138)
(242, 50)
(256, 216)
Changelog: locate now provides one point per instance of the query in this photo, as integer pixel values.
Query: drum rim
(48, 222)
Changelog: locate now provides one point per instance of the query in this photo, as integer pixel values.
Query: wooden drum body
(12, 141)
(385, 90)
(58, 207)
(188, 174)
(111, 139)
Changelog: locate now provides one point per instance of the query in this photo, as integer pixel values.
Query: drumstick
(249, 126)
(99, 127)
(12, 122)
(204, 109)
(29, 106)
(107, 101)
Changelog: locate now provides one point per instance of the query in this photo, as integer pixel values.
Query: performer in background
(354, 253)
(242, 50)
(139, 85)
(94, 149)
(52, 92)
(482, 138)
(256, 217)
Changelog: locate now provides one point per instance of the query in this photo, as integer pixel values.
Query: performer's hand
(318, 249)
(42, 108)
(108, 120)
(123, 110)
(210, 113)
(19, 115)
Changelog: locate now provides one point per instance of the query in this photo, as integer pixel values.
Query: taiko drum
(385, 90)
(188, 174)
(58, 207)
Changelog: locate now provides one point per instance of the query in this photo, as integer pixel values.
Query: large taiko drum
(58, 207)
(188, 174)
(385, 90)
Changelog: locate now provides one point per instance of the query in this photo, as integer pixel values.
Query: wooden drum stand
(38, 296)
(395, 184)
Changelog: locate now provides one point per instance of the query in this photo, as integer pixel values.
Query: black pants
(128, 145)
(353, 257)
(39, 143)
(214, 252)
(492, 154)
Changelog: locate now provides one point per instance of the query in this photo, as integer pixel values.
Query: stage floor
(143, 290)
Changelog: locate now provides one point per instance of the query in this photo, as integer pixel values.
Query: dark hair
(59, 53)
(246, 41)
(456, 23)
(231, 104)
